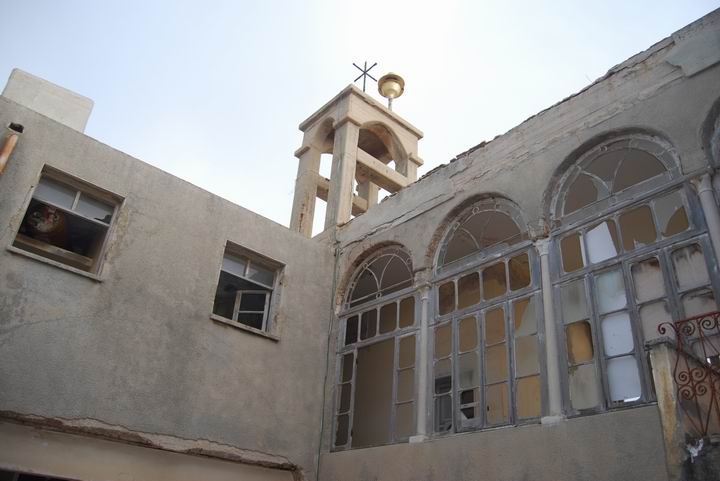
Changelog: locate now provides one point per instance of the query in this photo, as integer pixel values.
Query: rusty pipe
(7, 150)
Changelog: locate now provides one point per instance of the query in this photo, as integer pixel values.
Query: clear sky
(213, 91)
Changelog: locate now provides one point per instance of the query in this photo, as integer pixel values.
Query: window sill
(53, 263)
(243, 327)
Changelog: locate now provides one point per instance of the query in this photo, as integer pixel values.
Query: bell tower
(365, 139)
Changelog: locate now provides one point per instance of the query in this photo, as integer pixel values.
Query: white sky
(213, 91)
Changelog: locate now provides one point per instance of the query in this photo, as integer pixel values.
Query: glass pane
(50, 191)
(610, 291)
(579, 342)
(347, 367)
(388, 318)
(94, 209)
(494, 281)
(529, 398)
(341, 433)
(443, 341)
(446, 298)
(345, 390)
(497, 403)
(519, 269)
(526, 356)
(260, 274)
(524, 316)
(494, 325)
(406, 385)
(699, 302)
(623, 379)
(648, 280)
(404, 427)
(407, 312)
(443, 413)
(496, 368)
(651, 316)
(406, 356)
(617, 334)
(468, 334)
(234, 265)
(637, 228)
(602, 242)
(690, 269)
(468, 366)
(583, 387)
(468, 290)
(574, 304)
(671, 215)
(368, 324)
(351, 330)
(572, 258)
(443, 376)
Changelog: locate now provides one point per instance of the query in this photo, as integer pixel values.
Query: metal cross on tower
(364, 73)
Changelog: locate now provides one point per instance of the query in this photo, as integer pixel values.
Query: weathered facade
(495, 319)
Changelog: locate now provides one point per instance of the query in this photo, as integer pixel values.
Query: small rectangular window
(67, 221)
(245, 289)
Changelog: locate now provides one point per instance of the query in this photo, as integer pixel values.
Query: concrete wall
(136, 354)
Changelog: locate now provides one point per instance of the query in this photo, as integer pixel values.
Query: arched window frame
(351, 341)
(588, 279)
(468, 267)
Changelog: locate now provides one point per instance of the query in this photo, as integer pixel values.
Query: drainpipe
(9, 145)
(421, 408)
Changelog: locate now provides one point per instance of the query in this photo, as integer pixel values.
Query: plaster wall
(136, 351)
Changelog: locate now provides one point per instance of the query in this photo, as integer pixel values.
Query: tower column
(305, 192)
(368, 191)
(342, 174)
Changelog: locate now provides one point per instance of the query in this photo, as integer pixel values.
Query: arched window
(486, 347)
(376, 372)
(630, 252)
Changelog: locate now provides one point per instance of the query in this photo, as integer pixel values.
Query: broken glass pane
(524, 316)
(345, 390)
(574, 304)
(526, 356)
(529, 398)
(406, 356)
(351, 330)
(671, 215)
(468, 375)
(636, 167)
(582, 192)
(347, 367)
(443, 341)
(341, 433)
(579, 342)
(690, 268)
(637, 228)
(496, 368)
(443, 376)
(406, 385)
(467, 335)
(610, 291)
(407, 312)
(443, 413)
(494, 325)
(623, 379)
(519, 270)
(648, 280)
(583, 387)
(699, 302)
(368, 324)
(602, 242)
(468, 290)
(572, 258)
(404, 427)
(446, 298)
(388, 318)
(470, 412)
(651, 316)
(617, 334)
(497, 403)
(494, 283)
(469, 396)
(55, 193)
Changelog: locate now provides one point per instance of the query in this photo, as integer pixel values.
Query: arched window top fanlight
(487, 225)
(614, 168)
(389, 270)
